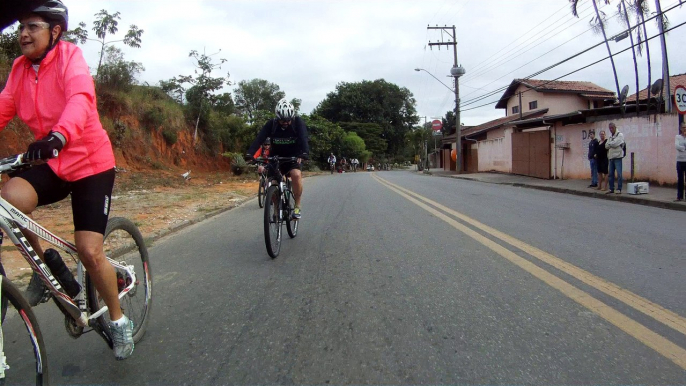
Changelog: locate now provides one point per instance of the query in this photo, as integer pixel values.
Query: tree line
(373, 121)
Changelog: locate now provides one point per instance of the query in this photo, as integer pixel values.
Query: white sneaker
(122, 338)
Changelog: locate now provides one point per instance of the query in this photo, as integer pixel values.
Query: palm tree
(662, 24)
(641, 9)
(624, 15)
(598, 24)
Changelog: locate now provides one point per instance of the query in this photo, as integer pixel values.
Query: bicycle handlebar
(17, 161)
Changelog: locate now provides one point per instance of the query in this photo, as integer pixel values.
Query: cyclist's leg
(91, 254)
(91, 198)
(293, 171)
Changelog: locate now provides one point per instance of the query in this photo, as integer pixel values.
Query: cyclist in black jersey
(288, 135)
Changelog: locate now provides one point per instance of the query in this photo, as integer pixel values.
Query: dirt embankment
(149, 187)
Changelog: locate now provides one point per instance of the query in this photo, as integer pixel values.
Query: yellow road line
(648, 337)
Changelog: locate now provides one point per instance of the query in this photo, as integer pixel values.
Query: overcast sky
(307, 47)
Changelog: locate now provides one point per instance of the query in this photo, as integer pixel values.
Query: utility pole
(456, 72)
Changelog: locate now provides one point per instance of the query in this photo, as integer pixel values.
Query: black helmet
(267, 141)
(55, 13)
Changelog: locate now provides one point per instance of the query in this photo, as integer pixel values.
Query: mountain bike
(262, 188)
(125, 249)
(278, 206)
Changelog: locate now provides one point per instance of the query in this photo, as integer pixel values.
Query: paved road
(399, 278)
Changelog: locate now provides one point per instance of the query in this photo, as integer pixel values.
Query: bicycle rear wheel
(24, 353)
(124, 243)
(272, 221)
(261, 191)
(291, 223)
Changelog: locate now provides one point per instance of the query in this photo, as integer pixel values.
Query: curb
(620, 198)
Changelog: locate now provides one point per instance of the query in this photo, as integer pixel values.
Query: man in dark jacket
(592, 158)
(288, 135)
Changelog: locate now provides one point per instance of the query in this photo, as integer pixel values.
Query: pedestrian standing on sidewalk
(601, 161)
(615, 153)
(680, 142)
(592, 159)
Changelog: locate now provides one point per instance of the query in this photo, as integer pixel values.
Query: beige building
(498, 145)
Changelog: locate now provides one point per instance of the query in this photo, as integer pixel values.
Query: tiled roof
(501, 121)
(674, 81)
(564, 85)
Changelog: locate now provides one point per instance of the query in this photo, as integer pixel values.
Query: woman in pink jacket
(50, 88)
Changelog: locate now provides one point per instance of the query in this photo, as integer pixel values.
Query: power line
(484, 96)
(521, 36)
(584, 67)
(531, 45)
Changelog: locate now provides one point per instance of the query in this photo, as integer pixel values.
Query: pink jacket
(60, 98)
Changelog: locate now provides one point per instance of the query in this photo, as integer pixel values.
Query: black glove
(249, 158)
(44, 149)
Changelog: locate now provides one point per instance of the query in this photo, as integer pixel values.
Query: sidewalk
(657, 196)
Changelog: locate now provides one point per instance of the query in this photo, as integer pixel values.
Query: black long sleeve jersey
(289, 141)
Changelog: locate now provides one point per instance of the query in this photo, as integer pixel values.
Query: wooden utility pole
(456, 72)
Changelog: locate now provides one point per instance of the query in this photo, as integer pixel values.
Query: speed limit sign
(680, 99)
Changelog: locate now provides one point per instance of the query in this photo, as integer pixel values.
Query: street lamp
(456, 72)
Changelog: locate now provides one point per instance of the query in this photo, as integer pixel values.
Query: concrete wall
(495, 153)
(650, 139)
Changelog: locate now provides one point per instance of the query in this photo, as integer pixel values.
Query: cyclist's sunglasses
(33, 26)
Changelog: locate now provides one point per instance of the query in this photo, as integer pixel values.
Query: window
(533, 105)
(515, 109)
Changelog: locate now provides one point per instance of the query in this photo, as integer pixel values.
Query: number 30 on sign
(680, 99)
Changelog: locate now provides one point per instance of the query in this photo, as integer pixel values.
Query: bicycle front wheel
(291, 223)
(261, 191)
(24, 353)
(124, 243)
(272, 221)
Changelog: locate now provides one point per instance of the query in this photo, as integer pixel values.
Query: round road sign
(436, 124)
(680, 99)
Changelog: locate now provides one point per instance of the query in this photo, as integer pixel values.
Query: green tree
(324, 137)
(201, 93)
(380, 102)
(108, 24)
(117, 73)
(9, 45)
(371, 134)
(256, 94)
(352, 146)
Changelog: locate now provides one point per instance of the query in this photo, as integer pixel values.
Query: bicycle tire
(291, 223)
(261, 191)
(18, 349)
(272, 221)
(124, 242)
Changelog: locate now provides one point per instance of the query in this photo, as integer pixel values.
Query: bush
(238, 164)
(170, 136)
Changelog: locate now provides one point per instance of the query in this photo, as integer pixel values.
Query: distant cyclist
(263, 151)
(288, 135)
(331, 161)
(51, 89)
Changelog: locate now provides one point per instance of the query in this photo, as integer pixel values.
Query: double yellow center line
(648, 337)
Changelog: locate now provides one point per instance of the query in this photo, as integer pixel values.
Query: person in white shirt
(615, 153)
(680, 143)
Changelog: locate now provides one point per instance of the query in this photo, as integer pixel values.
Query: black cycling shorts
(286, 167)
(90, 196)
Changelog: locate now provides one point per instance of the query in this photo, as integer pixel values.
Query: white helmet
(284, 110)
